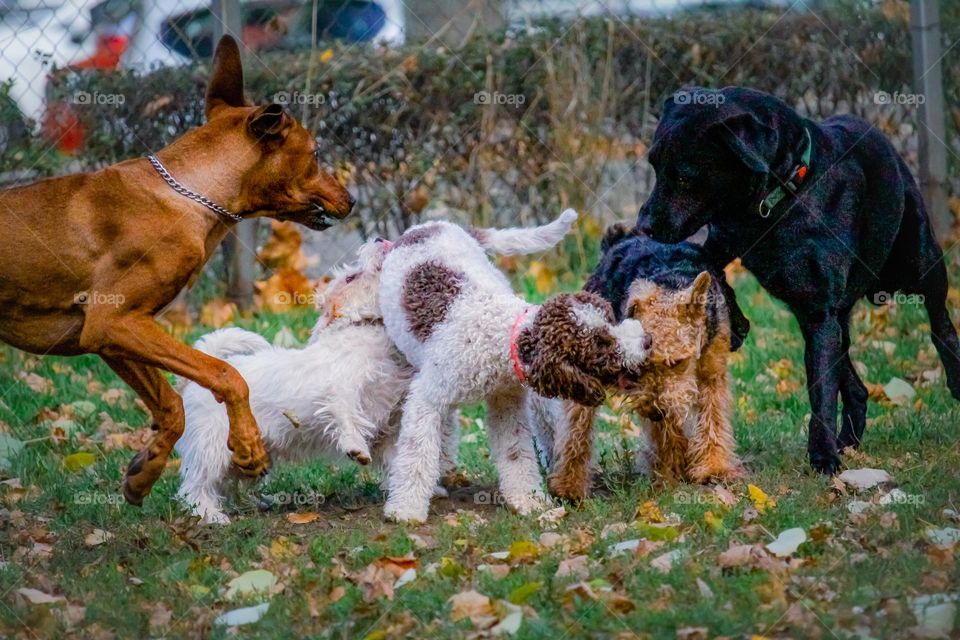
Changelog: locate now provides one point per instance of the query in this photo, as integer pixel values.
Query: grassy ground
(110, 568)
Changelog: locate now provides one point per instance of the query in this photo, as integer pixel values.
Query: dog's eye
(350, 278)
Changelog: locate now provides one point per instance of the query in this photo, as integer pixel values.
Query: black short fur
(856, 227)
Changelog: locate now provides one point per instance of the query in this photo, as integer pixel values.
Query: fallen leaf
(935, 613)
(36, 383)
(899, 391)
(552, 516)
(664, 563)
(862, 479)
(577, 566)
(256, 581)
(737, 555)
(97, 537)
(787, 542)
(524, 592)
(761, 501)
(305, 517)
(473, 605)
(35, 596)
(945, 536)
(406, 577)
(523, 552)
(242, 616)
(79, 460)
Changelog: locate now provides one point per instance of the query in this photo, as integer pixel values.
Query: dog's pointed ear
(752, 141)
(268, 121)
(697, 292)
(226, 81)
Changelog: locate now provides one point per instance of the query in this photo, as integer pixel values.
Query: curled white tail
(224, 343)
(520, 241)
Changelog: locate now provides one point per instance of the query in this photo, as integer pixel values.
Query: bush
(575, 105)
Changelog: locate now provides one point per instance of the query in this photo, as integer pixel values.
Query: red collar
(514, 355)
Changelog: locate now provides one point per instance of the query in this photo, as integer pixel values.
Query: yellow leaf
(714, 522)
(760, 499)
(326, 56)
(650, 512)
(523, 551)
(79, 460)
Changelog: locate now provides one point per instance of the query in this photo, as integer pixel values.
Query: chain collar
(193, 195)
(793, 182)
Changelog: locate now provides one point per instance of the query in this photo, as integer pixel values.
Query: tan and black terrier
(683, 394)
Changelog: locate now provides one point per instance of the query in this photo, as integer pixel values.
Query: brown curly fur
(562, 358)
(428, 292)
(685, 379)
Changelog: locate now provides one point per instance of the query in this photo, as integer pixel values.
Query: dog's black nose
(647, 341)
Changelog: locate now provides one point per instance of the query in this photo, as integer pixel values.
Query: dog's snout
(351, 199)
(647, 341)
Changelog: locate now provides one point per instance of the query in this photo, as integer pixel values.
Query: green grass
(854, 579)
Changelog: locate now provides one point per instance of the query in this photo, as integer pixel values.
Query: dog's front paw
(725, 470)
(565, 488)
(359, 456)
(405, 513)
(825, 462)
(529, 503)
(214, 517)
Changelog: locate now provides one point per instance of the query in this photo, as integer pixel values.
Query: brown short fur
(123, 232)
(685, 379)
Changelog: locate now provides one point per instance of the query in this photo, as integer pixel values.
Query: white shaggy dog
(332, 398)
(470, 337)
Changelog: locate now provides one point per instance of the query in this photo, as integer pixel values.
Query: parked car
(75, 35)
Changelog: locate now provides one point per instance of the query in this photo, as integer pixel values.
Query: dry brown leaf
(217, 313)
(577, 566)
(97, 537)
(305, 517)
(473, 605)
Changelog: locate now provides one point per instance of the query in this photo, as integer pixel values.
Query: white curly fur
(466, 358)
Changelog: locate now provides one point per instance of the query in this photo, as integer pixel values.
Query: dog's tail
(232, 341)
(224, 343)
(519, 241)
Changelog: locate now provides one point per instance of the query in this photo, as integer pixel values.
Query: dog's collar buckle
(793, 183)
(514, 352)
(193, 195)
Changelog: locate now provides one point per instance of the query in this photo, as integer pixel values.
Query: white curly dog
(470, 337)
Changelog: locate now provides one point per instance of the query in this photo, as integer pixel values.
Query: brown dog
(89, 259)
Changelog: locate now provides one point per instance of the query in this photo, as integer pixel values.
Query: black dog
(823, 214)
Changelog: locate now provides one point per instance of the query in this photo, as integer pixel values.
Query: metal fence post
(239, 249)
(928, 82)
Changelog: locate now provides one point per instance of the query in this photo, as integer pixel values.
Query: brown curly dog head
(574, 350)
(676, 319)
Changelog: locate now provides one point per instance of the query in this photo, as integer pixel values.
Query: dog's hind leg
(823, 356)
(140, 341)
(944, 335)
(511, 444)
(852, 392)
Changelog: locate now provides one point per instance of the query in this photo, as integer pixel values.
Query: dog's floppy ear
(553, 379)
(226, 81)
(267, 121)
(614, 234)
(750, 140)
